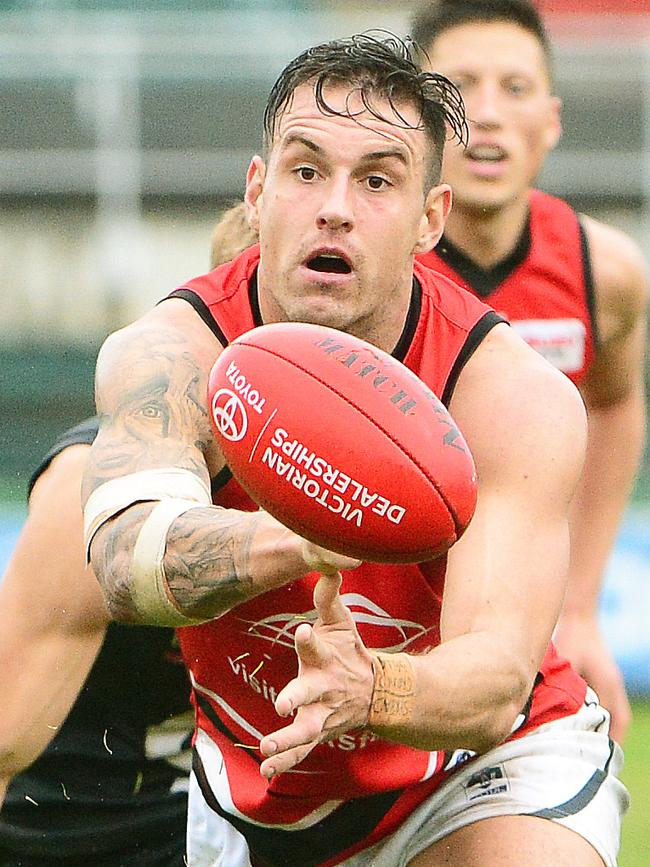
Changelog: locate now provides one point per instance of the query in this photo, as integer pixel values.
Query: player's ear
(254, 189)
(432, 222)
(554, 128)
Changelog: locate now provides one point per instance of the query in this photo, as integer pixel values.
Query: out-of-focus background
(125, 127)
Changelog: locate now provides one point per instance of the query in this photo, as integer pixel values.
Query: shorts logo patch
(487, 781)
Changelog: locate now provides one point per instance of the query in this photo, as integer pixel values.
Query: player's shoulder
(64, 452)
(508, 396)
(511, 364)
(451, 300)
(620, 275)
(63, 468)
(170, 332)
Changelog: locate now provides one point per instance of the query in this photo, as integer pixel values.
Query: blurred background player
(574, 288)
(231, 235)
(111, 786)
(96, 721)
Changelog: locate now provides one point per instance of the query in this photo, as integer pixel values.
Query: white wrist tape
(114, 496)
(149, 589)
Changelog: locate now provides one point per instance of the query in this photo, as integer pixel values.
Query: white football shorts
(565, 771)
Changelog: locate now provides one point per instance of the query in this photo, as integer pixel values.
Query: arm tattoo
(208, 566)
(151, 411)
(150, 395)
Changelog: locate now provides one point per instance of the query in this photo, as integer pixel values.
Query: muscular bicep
(151, 385)
(155, 444)
(527, 432)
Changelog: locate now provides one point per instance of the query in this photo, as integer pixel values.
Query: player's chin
(323, 310)
(486, 200)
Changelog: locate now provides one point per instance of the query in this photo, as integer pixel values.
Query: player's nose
(336, 207)
(484, 109)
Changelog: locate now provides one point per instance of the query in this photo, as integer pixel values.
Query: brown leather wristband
(393, 693)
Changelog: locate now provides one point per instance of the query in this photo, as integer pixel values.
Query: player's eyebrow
(386, 154)
(296, 138)
(373, 156)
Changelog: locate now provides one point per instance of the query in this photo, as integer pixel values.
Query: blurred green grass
(635, 846)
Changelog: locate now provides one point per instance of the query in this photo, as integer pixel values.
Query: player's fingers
(304, 690)
(305, 731)
(621, 719)
(327, 601)
(310, 648)
(321, 560)
(616, 701)
(285, 761)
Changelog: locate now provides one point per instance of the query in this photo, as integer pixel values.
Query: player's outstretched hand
(579, 639)
(333, 689)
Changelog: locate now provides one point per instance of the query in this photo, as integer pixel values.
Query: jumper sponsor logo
(400, 634)
(352, 741)
(253, 678)
(244, 389)
(486, 781)
(328, 486)
(229, 415)
(560, 341)
(368, 366)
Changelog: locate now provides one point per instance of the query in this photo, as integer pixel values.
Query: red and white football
(342, 443)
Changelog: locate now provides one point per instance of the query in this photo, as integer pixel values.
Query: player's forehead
(489, 48)
(354, 128)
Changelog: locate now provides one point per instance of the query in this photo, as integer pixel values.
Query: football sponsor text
(242, 386)
(328, 486)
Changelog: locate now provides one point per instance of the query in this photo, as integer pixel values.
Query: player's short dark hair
(433, 17)
(381, 66)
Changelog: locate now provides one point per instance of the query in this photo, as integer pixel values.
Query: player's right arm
(151, 394)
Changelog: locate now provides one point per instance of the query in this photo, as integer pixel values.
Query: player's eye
(518, 87)
(154, 411)
(376, 182)
(306, 173)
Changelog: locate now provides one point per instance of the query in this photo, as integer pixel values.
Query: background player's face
(502, 72)
(341, 209)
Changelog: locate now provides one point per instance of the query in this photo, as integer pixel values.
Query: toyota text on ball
(241, 385)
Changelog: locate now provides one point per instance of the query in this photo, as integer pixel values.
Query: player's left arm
(52, 616)
(615, 398)
(504, 587)
(506, 577)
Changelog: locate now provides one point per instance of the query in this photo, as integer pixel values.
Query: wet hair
(434, 17)
(376, 67)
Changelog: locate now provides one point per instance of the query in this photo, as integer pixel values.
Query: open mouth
(325, 263)
(485, 154)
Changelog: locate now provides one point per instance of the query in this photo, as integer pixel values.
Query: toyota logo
(229, 415)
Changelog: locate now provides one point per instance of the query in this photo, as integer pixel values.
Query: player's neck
(487, 238)
(383, 326)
